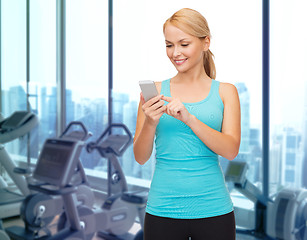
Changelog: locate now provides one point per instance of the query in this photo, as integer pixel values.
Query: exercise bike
(39, 209)
(122, 206)
(118, 213)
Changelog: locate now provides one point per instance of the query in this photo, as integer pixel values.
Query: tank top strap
(215, 87)
(215, 94)
(165, 88)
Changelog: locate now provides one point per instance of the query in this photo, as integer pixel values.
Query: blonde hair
(193, 23)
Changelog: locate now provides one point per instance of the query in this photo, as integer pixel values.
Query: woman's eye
(168, 46)
(184, 45)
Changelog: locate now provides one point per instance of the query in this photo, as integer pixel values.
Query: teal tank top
(188, 182)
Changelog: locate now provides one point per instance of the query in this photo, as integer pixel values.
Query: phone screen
(149, 89)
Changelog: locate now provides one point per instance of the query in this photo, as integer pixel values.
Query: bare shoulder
(158, 86)
(227, 91)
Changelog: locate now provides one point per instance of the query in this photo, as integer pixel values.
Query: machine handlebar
(105, 148)
(84, 131)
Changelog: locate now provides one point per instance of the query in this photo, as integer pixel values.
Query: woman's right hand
(153, 109)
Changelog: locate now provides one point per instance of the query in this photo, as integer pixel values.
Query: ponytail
(209, 64)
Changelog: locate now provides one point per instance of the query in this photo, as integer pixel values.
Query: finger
(177, 112)
(160, 115)
(156, 106)
(152, 110)
(171, 106)
(142, 100)
(161, 110)
(159, 104)
(168, 99)
(177, 109)
(153, 100)
(168, 111)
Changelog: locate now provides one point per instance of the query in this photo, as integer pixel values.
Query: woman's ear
(206, 43)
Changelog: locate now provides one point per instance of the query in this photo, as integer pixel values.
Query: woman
(193, 120)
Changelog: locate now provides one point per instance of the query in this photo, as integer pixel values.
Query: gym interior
(69, 97)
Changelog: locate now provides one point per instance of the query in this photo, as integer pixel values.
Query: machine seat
(136, 197)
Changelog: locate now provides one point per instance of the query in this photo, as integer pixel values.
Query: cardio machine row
(61, 189)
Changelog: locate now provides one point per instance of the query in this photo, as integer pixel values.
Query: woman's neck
(190, 77)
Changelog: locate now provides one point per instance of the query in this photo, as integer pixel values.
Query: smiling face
(185, 51)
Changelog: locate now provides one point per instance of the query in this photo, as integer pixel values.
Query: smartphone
(149, 89)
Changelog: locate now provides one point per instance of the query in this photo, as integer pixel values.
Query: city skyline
(286, 150)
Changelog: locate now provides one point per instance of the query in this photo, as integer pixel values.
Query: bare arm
(225, 143)
(148, 117)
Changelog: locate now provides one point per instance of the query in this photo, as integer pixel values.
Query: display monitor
(236, 172)
(56, 162)
(17, 119)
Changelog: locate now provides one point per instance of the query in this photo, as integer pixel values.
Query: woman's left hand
(176, 109)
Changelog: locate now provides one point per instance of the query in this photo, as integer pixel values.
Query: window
(87, 70)
(289, 176)
(139, 54)
(13, 57)
(42, 86)
(290, 158)
(288, 90)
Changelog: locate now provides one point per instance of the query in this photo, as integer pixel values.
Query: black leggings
(213, 228)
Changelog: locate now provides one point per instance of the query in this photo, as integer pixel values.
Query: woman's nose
(176, 52)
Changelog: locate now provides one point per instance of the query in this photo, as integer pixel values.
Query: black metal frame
(0, 58)
(265, 94)
(61, 65)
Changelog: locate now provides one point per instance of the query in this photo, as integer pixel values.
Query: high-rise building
(92, 114)
(255, 158)
(245, 116)
(292, 158)
(129, 119)
(275, 166)
(48, 113)
(70, 107)
(131, 167)
(118, 102)
(304, 143)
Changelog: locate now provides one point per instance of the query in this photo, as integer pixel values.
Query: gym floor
(17, 221)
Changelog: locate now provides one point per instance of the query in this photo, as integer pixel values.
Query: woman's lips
(180, 61)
